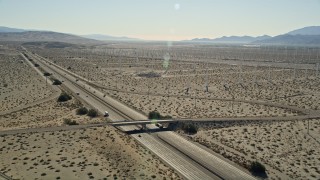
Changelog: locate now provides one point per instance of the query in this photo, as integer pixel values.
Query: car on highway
(106, 114)
(159, 125)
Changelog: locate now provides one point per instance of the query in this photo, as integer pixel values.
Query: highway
(182, 157)
(142, 122)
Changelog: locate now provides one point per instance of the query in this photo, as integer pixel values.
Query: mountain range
(102, 37)
(40, 35)
(233, 39)
(36, 36)
(8, 30)
(311, 30)
(304, 36)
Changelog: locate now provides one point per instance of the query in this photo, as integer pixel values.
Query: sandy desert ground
(20, 85)
(147, 85)
(285, 148)
(174, 83)
(48, 114)
(97, 153)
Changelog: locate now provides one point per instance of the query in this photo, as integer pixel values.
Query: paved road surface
(211, 162)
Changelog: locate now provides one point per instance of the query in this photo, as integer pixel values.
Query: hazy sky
(161, 19)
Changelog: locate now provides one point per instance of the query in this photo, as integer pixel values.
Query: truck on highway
(106, 114)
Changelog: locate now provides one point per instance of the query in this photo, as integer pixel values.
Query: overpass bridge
(143, 123)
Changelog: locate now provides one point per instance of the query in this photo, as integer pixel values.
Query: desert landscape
(194, 90)
(184, 86)
(181, 83)
(190, 85)
(286, 148)
(62, 154)
(97, 153)
(20, 85)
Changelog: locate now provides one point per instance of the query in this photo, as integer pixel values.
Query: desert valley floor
(278, 97)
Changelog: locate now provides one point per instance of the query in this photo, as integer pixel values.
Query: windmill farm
(238, 96)
(200, 80)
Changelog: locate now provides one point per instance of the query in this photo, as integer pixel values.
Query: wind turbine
(206, 85)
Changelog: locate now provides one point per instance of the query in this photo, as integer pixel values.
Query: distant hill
(46, 44)
(34, 36)
(288, 39)
(201, 39)
(311, 30)
(241, 39)
(304, 36)
(233, 39)
(102, 37)
(7, 29)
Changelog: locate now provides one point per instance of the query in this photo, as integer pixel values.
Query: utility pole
(294, 72)
(255, 76)
(195, 81)
(207, 88)
(240, 74)
(269, 74)
(317, 69)
(195, 100)
(306, 73)
(308, 126)
(168, 92)
(148, 91)
(137, 58)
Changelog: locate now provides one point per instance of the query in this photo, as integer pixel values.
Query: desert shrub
(56, 82)
(46, 74)
(96, 164)
(149, 75)
(166, 117)
(189, 128)
(70, 122)
(36, 65)
(64, 97)
(69, 68)
(157, 115)
(92, 113)
(154, 115)
(257, 168)
(82, 111)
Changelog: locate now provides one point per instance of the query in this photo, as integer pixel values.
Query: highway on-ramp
(187, 158)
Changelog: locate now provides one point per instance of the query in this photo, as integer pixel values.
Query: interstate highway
(179, 159)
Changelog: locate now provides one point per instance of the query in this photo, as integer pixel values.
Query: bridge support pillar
(144, 126)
